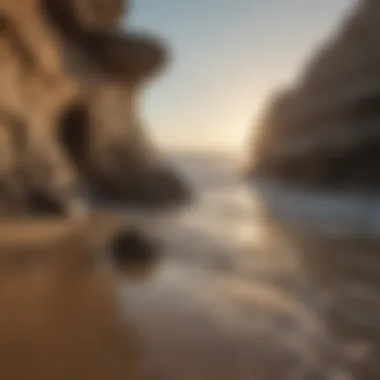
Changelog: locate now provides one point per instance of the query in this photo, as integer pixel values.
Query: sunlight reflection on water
(226, 300)
(219, 226)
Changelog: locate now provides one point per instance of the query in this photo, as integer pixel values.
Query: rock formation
(67, 72)
(323, 131)
(116, 156)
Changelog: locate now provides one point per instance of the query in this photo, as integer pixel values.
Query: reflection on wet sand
(295, 305)
(67, 314)
(58, 309)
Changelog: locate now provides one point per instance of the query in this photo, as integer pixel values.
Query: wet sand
(226, 299)
(73, 315)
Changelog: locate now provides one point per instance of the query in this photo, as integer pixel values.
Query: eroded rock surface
(68, 72)
(323, 131)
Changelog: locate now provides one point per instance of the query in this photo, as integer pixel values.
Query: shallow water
(214, 295)
(227, 298)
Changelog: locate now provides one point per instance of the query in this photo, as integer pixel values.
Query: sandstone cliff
(70, 84)
(323, 131)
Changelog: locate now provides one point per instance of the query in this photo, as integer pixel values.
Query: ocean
(218, 224)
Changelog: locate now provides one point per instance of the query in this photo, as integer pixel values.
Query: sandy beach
(225, 300)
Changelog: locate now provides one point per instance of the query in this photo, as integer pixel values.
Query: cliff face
(70, 84)
(323, 131)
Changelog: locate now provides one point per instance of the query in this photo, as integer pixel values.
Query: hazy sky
(228, 55)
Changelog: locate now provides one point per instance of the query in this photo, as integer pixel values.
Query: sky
(227, 57)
